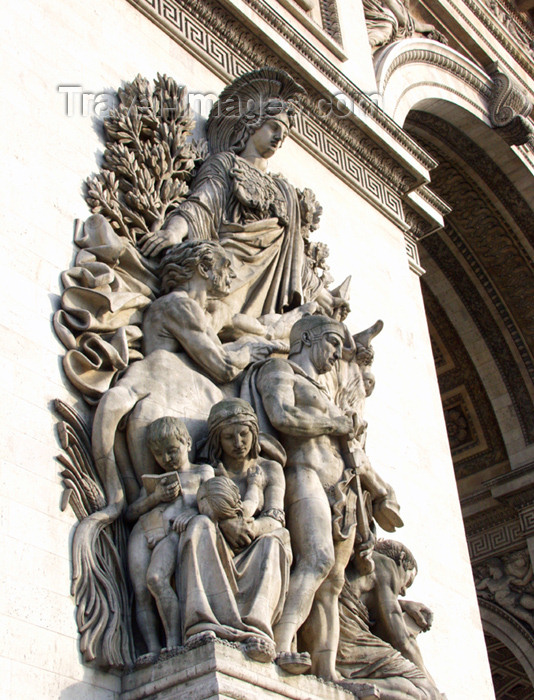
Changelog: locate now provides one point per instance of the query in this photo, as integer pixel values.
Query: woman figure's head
(233, 431)
(264, 141)
(262, 97)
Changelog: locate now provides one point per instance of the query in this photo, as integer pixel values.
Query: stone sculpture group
(226, 482)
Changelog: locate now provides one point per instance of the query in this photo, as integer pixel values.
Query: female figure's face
(236, 440)
(265, 141)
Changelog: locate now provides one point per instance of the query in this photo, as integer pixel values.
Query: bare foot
(146, 659)
(260, 650)
(199, 639)
(366, 691)
(292, 662)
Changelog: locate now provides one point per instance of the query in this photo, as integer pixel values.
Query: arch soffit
(510, 632)
(415, 71)
(476, 346)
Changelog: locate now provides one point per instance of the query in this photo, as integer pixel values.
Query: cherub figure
(166, 504)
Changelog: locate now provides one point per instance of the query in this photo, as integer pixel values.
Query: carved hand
(366, 549)
(167, 492)
(343, 425)
(261, 349)
(182, 521)
(332, 306)
(174, 233)
(256, 477)
(238, 532)
(420, 613)
(341, 309)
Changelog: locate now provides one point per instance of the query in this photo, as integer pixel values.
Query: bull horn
(365, 337)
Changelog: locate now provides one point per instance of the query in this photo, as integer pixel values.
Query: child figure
(166, 504)
(219, 497)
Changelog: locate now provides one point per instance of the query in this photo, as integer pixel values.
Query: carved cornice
(488, 520)
(515, 493)
(420, 227)
(466, 17)
(516, 490)
(345, 86)
(495, 29)
(330, 19)
(433, 199)
(488, 537)
(329, 34)
(243, 43)
(423, 212)
(497, 97)
(414, 220)
(512, 11)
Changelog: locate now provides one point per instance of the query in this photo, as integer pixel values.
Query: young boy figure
(166, 504)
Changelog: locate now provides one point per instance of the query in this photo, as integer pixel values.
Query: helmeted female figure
(255, 215)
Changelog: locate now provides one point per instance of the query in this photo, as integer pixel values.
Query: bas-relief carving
(516, 25)
(225, 482)
(378, 630)
(321, 502)
(391, 20)
(508, 582)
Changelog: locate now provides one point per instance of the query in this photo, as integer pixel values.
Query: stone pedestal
(219, 670)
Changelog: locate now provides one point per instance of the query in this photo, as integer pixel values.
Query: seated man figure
(184, 365)
(388, 656)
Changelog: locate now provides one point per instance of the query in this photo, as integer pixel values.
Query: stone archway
(424, 74)
(480, 269)
(419, 71)
(511, 653)
(479, 292)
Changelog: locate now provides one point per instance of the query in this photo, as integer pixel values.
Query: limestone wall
(96, 45)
